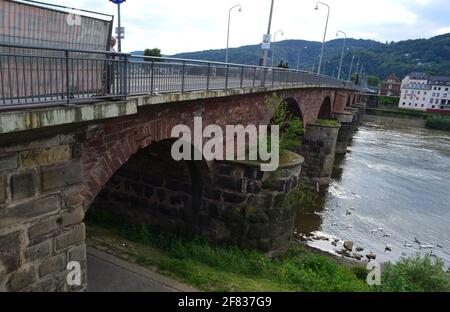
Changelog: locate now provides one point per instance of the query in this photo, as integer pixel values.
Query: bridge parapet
(34, 76)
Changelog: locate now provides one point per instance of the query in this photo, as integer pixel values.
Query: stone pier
(319, 148)
(345, 132)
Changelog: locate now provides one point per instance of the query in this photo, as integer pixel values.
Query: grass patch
(220, 268)
(327, 122)
(389, 100)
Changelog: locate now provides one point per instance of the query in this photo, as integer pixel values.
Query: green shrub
(415, 274)
(291, 127)
(438, 122)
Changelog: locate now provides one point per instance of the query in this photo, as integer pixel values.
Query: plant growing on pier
(291, 127)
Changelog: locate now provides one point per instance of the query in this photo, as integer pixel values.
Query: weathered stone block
(75, 217)
(8, 161)
(72, 237)
(10, 252)
(233, 198)
(61, 176)
(23, 185)
(45, 156)
(28, 211)
(3, 188)
(53, 264)
(230, 183)
(42, 228)
(77, 253)
(22, 279)
(40, 251)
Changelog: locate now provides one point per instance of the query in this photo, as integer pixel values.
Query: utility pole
(266, 51)
(120, 32)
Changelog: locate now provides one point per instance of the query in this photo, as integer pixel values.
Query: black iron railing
(38, 76)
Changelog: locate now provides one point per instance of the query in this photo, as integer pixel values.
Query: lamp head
(317, 7)
(240, 8)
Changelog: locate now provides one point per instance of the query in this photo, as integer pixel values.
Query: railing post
(273, 77)
(208, 76)
(125, 76)
(67, 77)
(242, 76)
(152, 78)
(226, 77)
(183, 76)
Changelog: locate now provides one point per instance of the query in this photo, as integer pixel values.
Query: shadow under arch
(325, 109)
(153, 189)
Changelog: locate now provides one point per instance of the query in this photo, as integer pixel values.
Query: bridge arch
(153, 189)
(326, 111)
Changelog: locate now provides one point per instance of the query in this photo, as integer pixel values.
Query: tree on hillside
(153, 52)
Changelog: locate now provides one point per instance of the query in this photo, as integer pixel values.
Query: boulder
(348, 245)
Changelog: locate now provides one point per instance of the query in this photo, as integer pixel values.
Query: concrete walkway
(107, 273)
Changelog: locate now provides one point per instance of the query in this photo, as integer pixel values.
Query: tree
(373, 81)
(355, 78)
(153, 52)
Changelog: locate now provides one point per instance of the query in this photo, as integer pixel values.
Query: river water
(390, 190)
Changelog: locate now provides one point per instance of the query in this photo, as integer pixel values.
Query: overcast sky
(186, 26)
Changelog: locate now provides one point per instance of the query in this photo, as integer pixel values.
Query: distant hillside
(429, 55)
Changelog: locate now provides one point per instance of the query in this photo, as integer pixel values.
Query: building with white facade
(426, 93)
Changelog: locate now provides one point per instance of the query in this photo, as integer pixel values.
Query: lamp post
(228, 32)
(324, 34)
(298, 58)
(357, 64)
(351, 65)
(314, 63)
(273, 44)
(342, 54)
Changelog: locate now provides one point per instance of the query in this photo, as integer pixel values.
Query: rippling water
(395, 182)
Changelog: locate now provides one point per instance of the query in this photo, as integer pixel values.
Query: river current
(389, 195)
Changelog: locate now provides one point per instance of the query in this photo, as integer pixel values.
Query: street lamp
(298, 58)
(357, 65)
(351, 65)
(314, 62)
(342, 54)
(324, 34)
(273, 44)
(228, 32)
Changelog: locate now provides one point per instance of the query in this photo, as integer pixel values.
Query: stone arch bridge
(57, 162)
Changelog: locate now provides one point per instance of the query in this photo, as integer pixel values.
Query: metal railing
(39, 76)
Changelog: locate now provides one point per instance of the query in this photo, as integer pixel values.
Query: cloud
(180, 25)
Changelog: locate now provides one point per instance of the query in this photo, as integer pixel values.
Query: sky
(186, 26)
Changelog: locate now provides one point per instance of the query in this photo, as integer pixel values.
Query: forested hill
(380, 59)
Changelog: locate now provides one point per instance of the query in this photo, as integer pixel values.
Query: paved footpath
(107, 273)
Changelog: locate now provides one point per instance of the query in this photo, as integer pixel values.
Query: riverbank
(411, 118)
(219, 268)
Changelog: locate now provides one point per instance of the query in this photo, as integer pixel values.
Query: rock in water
(371, 256)
(348, 245)
(359, 249)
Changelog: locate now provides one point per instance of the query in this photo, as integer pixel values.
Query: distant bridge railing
(33, 76)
